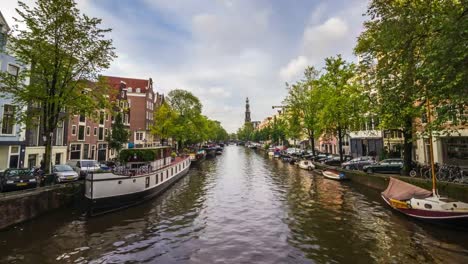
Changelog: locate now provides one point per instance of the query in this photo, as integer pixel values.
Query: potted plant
(173, 155)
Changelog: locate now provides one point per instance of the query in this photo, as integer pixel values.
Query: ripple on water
(242, 208)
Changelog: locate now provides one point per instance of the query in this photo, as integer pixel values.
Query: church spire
(247, 111)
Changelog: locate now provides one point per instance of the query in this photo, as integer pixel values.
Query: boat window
(147, 183)
(167, 174)
(162, 177)
(172, 171)
(156, 178)
(427, 206)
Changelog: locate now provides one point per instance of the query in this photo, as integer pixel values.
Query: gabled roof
(3, 22)
(133, 83)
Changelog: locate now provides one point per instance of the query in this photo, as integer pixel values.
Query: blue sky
(224, 50)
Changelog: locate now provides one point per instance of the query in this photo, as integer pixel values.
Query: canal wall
(20, 206)
(380, 182)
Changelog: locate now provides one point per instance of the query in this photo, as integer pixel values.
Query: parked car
(17, 179)
(104, 167)
(321, 157)
(335, 160)
(82, 167)
(358, 163)
(64, 173)
(385, 166)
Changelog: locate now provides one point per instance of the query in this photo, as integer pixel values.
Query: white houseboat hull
(110, 192)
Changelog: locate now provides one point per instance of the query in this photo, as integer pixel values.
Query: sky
(224, 50)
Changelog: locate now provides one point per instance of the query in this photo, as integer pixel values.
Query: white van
(84, 166)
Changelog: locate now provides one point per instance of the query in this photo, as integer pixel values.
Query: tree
(65, 50)
(303, 98)
(119, 134)
(165, 120)
(339, 96)
(180, 118)
(413, 51)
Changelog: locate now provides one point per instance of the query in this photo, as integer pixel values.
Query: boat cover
(400, 190)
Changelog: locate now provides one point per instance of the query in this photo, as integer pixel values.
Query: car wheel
(310, 168)
(370, 171)
(1, 188)
(347, 167)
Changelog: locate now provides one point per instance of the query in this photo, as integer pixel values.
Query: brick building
(141, 104)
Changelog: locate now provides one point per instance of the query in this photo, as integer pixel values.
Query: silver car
(65, 173)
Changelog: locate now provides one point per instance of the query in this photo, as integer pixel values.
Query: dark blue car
(17, 179)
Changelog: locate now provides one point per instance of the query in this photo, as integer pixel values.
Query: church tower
(247, 111)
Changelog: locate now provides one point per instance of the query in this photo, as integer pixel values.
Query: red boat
(423, 204)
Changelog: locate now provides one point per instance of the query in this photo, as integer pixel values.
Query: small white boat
(334, 175)
(306, 165)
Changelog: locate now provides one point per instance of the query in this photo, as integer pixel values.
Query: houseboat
(139, 180)
(197, 157)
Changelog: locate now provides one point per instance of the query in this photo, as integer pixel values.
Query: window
(85, 151)
(81, 132)
(126, 119)
(59, 134)
(8, 120)
(106, 132)
(101, 133)
(75, 151)
(101, 118)
(88, 131)
(129, 90)
(73, 130)
(138, 90)
(93, 149)
(107, 116)
(95, 131)
(3, 40)
(138, 135)
(82, 118)
(13, 70)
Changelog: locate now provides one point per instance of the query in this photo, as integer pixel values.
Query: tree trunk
(407, 145)
(48, 154)
(340, 144)
(312, 141)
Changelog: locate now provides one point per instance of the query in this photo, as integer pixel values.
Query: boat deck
(128, 172)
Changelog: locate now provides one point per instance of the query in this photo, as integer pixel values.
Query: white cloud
(226, 50)
(294, 68)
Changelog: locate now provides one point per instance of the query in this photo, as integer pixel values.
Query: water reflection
(241, 207)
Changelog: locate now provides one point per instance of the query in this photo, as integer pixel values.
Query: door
(58, 158)
(102, 151)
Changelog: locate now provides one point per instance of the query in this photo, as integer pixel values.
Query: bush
(137, 155)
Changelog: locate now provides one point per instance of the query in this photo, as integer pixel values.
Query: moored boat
(334, 175)
(198, 157)
(134, 183)
(219, 150)
(306, 165)
(210, 151)
(423, 204)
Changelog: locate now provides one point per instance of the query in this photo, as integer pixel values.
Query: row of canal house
(82, 137)
(78, 137)
(449, 148)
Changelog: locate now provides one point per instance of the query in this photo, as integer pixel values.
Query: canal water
(240, 207)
